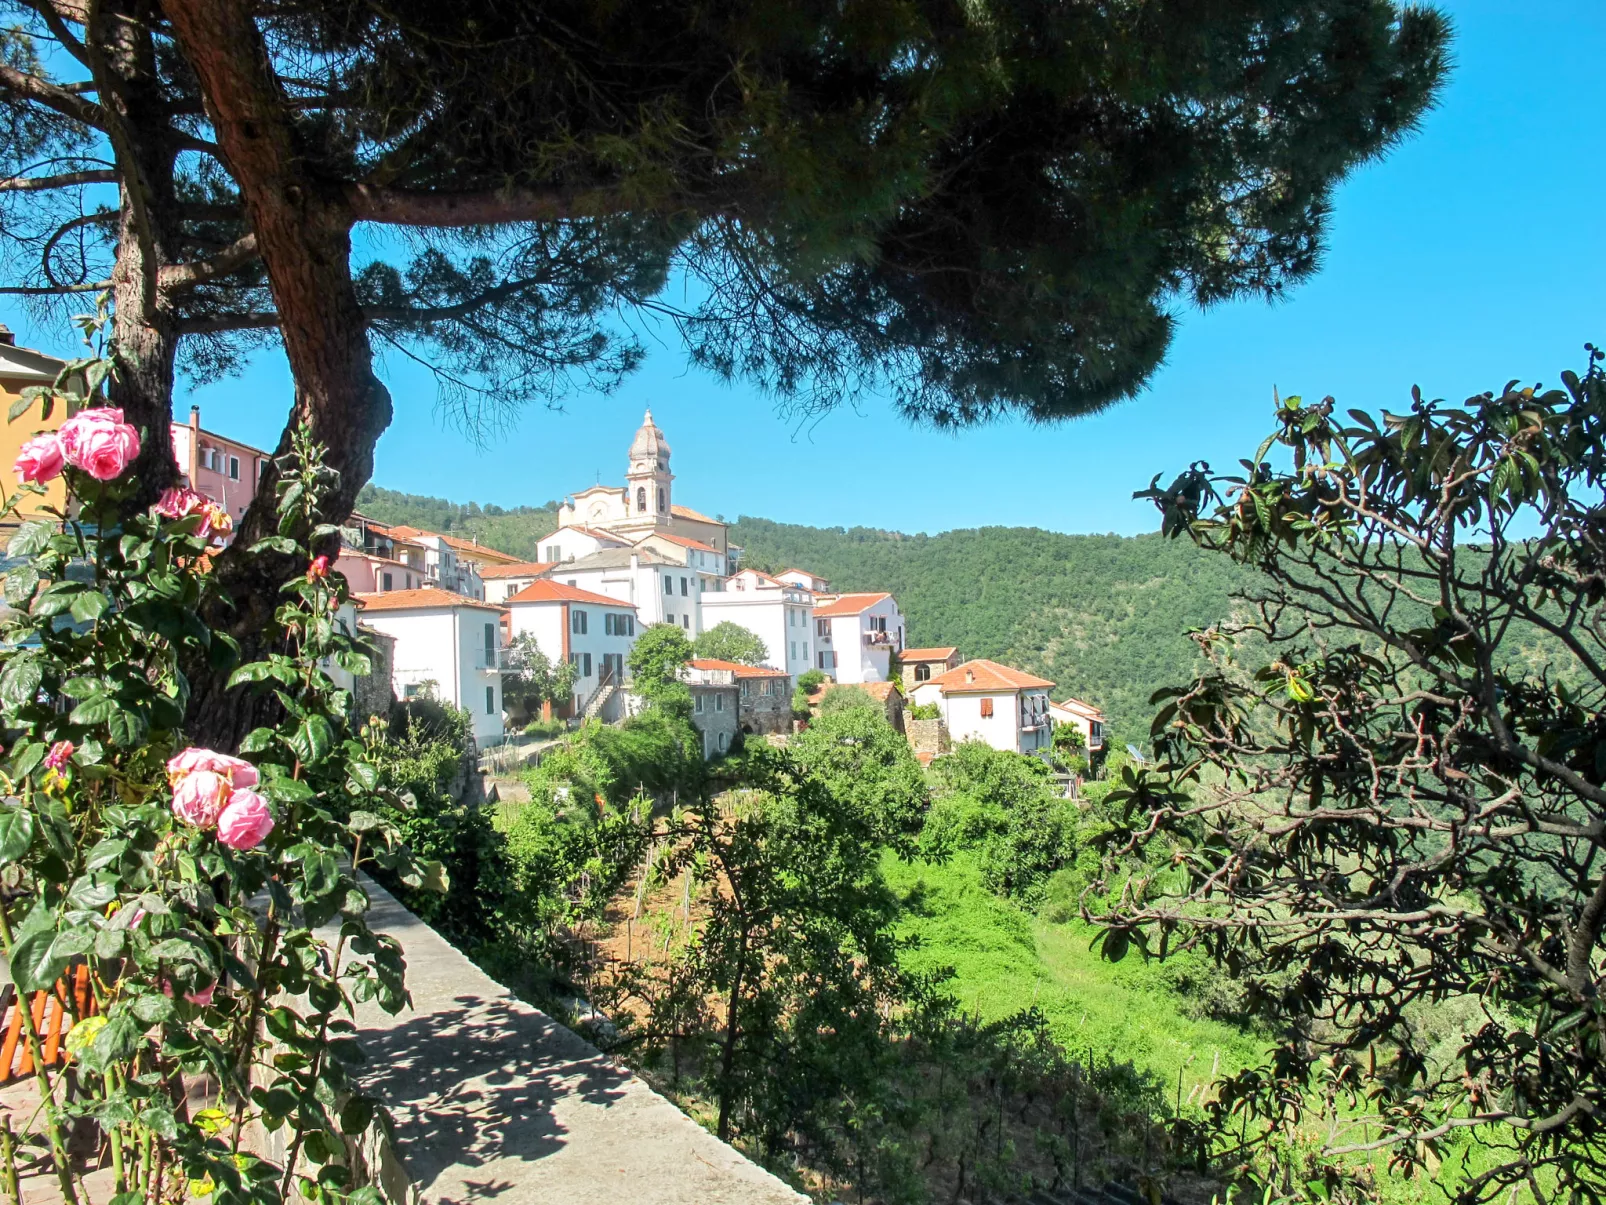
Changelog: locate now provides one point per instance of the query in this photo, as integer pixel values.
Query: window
(607, 624)
(490, 645)
(820, 626)
(552, 552)
(698, 705)
(574, 583)
(794, 650)
(805, 650)
(745, 690)
(234, 468)
(719, 702)
(577, 622)
(923, 672)
(683, 590)
(641, 500)
(669, 617)
(661, 506)
(410, 691)
(986, 706)
(685, 622)
(490, 700)
(582, 662)
(386, 582)
(669, 584)
(724, 740)
(262, 468)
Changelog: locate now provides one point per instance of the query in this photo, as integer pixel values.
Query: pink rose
(245, 821)
(60, 754)
(177, 502)
(99, 442)
(239, 773)
(40, 459)
(198, 798)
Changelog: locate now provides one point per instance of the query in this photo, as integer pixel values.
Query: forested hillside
(514, 530)
(1106, 617)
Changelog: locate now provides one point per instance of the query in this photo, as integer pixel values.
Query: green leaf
(21, 582)
(320, 874)
(16, 834)
(275, 544)
(31, 539)
(257, 740)
(153, 1008)
(94, 711)
(363, 822)
(89, 606)
(20, 681)
(126, 728)
(313, 739)
(256, 671)
(34, 967)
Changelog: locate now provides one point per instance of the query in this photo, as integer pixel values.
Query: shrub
(844, 698)
(545, 729)
(810, 680)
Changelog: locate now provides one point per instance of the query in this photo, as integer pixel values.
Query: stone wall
(927, 736)
(373, 694)
(766, 713)
(714, 714)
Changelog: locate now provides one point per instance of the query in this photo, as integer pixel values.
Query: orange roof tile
(493, 555)
(683, 541)
(593, 532)
(849, 604)
(932, 654)
(737, 668)
(686, 512)
(414, 600)
(516, 569)
(1079, 707)
(982, 676)
(545, 591)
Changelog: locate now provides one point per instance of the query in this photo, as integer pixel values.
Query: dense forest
(513, 530)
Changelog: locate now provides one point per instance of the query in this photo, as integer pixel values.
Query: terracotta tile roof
(849, 604)
(879, 691)
(686, 512)
(516, 569)
(456, 543)
(925, 757)
(1080, 708)
(982, 676)
(932, 654)
(545, 591)
(683, 541)
(737, 668)
(417, 600)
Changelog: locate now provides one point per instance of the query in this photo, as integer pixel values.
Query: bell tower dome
(647, 489)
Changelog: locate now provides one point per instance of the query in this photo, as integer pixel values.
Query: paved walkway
(495, 1100)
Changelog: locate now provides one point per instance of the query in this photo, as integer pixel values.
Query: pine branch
(52, 96)
(215, 324)
(179, 278)
(98, 286)
(406, 207)
(99, 175)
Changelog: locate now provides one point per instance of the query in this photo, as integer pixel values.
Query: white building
(570, 543)
(592, 631)
(447, 643)
(1084, 717)
(856, 636)
(502, 582)
(983, 700)
(779, 614)
(805, 579)
(661, 590)
(707, 561)
(440, 560)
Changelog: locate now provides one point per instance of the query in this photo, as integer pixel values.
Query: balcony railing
(494, 659)
(878, 638)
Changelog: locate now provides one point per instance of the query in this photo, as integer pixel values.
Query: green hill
(1105, 617)
(514, 530)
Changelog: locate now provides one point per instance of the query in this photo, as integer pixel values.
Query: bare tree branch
(176, 278)
(52, 96)
(64, 180)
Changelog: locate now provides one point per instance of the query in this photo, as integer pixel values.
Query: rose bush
(211, 893)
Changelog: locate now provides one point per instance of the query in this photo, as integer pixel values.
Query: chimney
(7, 339)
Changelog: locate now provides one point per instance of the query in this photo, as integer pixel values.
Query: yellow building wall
(14, 434)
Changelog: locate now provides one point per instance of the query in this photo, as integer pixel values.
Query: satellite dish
(1137, 754)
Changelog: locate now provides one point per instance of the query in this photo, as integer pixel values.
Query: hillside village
(448, 614)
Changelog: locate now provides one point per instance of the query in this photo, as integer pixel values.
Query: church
(646, 505)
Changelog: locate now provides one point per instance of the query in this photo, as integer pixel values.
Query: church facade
(646, 505)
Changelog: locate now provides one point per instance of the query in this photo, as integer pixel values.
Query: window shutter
(987, 706)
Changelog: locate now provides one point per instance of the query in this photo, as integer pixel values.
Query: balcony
(878, 638)
(494, 659)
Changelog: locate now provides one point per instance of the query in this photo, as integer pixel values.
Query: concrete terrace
(493, 1100)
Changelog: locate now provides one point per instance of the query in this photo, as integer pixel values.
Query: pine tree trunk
(302, 227)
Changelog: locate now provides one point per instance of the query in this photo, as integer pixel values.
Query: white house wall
(545, 621)
(448, 648)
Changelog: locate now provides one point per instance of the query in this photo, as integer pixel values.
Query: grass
(1006, 960)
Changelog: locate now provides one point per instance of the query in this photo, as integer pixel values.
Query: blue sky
(1467, 257)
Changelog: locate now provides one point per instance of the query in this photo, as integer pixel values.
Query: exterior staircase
(607, 687)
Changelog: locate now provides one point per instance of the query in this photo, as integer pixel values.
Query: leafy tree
(866, 765)
(847, 698)
(657, 661)
(810, 680)
(977, 216)
(1373, 799)
(1002, 805)
(729, 641)
(532, 679)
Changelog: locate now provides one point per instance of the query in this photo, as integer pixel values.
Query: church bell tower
(647, 483)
